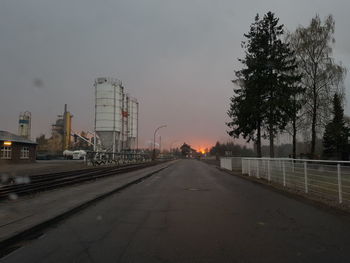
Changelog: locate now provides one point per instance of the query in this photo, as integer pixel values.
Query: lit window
(24, 153)
(5, 152)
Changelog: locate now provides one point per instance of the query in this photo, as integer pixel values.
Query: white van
(79, 155)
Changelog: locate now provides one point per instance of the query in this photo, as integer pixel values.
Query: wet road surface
(192, 212)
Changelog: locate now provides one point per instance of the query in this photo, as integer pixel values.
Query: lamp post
(154, 141)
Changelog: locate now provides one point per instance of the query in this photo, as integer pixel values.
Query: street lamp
(154, 141)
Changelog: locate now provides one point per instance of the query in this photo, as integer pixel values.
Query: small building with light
(16, 149)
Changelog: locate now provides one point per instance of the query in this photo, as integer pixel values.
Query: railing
(231, 163)
(115, 158)
(325, 179)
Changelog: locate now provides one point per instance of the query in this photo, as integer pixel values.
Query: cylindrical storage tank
(108, 107)
(124, 132)
(24, 124)
(133, 108)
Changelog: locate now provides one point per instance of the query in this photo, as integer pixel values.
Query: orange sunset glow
(203, 150)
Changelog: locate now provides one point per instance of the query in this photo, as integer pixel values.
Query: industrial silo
(24, 124)
(108, 112)
(132, 126)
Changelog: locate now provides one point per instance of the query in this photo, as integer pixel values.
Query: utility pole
(160, 144)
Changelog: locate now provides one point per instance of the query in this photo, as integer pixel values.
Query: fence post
(305, 175)
(268, 170)
(249, 167)
(257, 169)
(339, 184)
(243, 168)
(284, 174)
(264, 165)
(280, 164)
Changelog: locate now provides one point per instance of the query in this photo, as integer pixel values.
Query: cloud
(176, 57)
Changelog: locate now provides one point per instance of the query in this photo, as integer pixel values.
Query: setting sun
(202, 150)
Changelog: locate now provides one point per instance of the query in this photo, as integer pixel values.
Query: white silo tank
(133, 111)
(108, 109)
(24, 124)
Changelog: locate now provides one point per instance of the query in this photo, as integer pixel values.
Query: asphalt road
(191, 212)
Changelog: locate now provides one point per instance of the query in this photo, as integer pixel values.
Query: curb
(9, 244)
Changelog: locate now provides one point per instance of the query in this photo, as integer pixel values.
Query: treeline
(289, 83)
(231, 149)
(282, 150)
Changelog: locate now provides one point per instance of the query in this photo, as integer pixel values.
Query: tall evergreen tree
(266, 84)
(335, 138)
(246, 107)
(280, 78)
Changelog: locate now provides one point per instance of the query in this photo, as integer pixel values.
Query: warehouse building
(16, 149)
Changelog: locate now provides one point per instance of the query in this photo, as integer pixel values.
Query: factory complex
(115, 129)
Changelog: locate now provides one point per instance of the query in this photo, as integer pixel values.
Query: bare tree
(296, 119)
(322, 77)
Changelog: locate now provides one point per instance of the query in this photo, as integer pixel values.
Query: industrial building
(16, 149)
(62, 130)
(116, 116)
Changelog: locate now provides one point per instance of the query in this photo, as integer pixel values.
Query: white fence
(326, 179)
(231, 163)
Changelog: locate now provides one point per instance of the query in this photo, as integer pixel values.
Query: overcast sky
(176, 57)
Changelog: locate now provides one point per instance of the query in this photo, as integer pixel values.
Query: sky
(176, 57)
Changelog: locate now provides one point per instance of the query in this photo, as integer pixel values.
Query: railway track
(43, 182)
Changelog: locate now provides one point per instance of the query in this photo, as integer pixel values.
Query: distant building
(185, 150)
(188, 152)
(16, 149)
